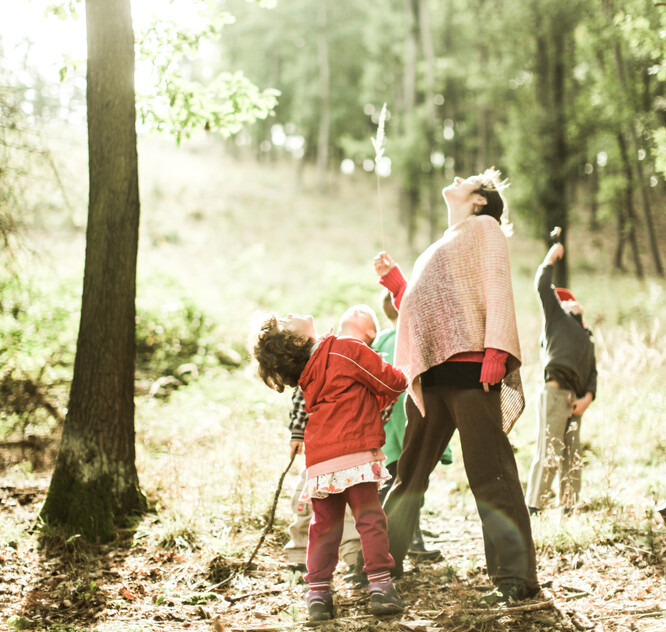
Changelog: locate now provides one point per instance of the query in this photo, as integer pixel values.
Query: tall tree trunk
(95, 480)
(433, 199)
(558, 215)
(324, 83)
(409, 187)
(618, 262)
(647, 210)
(635, 164)
(411, 51)
(629, 211)
(482, 110)
(593, 192)
(550, 70)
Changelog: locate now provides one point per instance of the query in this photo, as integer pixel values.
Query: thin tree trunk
(594, 198)
(560, 211)
(482, 113)
(324, 83)
(409, 188)
(411, 48)
(635, 164)
(434, 204)
(647, 212)
(550, 70)
(95, 480)
(629, 211)
(621, 238)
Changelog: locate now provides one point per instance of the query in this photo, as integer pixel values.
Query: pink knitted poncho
(459, 298)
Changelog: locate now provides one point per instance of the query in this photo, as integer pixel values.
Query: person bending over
(345, 385)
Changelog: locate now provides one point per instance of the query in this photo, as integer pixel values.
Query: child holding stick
(345, 385)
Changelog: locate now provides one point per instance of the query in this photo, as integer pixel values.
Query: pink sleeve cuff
(396, 283)
(493, 368)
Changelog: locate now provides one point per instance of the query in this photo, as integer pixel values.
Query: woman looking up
(457, 343)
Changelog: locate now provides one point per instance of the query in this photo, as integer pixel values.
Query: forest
(171, 168)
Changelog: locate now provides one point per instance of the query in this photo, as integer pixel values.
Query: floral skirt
(336, 482)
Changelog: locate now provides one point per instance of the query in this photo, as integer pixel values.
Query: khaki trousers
(557, 451)
(491, 471)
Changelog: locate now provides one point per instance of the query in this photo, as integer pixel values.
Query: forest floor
(609, 586)
(209, 455)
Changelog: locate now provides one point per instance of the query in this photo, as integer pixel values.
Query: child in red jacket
(345, 385)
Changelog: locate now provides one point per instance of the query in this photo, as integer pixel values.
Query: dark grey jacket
(567, 346)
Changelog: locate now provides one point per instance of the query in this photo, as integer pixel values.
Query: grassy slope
(253, 238)
(236, 237)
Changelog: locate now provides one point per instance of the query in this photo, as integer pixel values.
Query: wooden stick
(272, 514)
(500, 612)
(639, 614)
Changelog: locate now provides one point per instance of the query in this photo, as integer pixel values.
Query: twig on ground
(262, 628)
(581, 621)
(503, 611)
(639, 614)
(271, 517)
(273, 591)
(530, 607)
(576, 596)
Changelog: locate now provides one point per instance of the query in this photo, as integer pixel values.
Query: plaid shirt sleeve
(299, 418)
(386, 414)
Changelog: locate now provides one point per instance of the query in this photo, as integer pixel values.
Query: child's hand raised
(384, 263)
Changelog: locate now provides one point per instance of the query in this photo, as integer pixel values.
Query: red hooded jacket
(346, 384)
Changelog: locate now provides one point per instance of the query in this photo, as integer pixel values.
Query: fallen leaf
(127, 594)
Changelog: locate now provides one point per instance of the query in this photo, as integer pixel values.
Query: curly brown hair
(281, 354)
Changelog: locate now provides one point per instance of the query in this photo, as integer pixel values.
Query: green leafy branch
(180, 105)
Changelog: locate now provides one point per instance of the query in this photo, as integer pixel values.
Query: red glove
(493, 368)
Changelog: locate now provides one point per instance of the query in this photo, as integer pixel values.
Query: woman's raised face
(461, 190)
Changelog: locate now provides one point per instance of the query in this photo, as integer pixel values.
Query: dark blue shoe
(320, 605)
(388, 602)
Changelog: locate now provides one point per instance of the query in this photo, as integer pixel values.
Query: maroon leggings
(326, 527)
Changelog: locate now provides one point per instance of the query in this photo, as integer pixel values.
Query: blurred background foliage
(281, 208)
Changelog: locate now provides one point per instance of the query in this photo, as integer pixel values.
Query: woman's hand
(295, 447)
(384, 263)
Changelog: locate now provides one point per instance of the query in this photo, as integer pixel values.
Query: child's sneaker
(386, 602)
(320, 605)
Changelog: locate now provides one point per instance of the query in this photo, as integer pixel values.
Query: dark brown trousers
(491, 471)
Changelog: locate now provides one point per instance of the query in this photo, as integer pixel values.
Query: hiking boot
(298, 571)
(356, 576)
(320, 605)
(418, 549)
(506, 594)
(298, 568)
(386, 602)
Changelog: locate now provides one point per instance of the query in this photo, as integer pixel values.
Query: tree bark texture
(431, 179)
(628, 222)
(95, 480)
(408, 197)
(324, 82)
(552, 38)
(635, 164)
